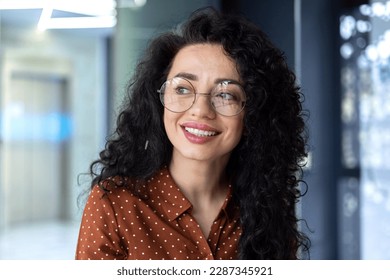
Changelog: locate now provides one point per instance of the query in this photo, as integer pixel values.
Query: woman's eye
(183, 90)
(226, 96)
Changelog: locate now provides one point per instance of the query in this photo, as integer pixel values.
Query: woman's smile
(198, 133)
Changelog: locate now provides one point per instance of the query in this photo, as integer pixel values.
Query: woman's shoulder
(115, 192)
(113, 186)
(122, 186)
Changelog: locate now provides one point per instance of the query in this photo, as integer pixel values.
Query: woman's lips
(198, 133)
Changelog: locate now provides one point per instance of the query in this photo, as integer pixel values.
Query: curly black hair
(266, 164)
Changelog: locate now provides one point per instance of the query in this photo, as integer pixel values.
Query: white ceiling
(27, 13)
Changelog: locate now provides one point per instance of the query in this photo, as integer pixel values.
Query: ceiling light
(81, 22)
(45, 17)
(98, 13)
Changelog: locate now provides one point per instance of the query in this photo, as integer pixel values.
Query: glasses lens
(177, 95)
(228, 98)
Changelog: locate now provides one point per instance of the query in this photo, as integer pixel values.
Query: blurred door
(34, 142)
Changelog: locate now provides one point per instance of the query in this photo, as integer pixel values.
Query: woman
(204, 163)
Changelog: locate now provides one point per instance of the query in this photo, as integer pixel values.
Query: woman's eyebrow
(187, 76)
(193, 77)
(231, 81)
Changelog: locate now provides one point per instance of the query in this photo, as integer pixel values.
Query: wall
(84, 56)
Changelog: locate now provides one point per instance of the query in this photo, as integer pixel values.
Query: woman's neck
(199, 180)
(204, 184)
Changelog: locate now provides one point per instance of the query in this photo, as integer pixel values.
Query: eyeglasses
(178, 95)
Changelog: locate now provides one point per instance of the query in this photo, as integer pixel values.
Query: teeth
(201, 133)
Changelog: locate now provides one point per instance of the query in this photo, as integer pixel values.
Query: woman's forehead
(204, 61)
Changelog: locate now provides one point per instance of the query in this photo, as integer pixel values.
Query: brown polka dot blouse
(118, 224)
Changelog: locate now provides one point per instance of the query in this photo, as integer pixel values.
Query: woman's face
(200, 133)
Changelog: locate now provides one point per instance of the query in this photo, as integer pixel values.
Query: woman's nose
(202, 106)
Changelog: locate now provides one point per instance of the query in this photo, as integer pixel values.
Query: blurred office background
(63, 68)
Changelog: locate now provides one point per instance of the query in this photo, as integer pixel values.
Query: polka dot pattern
(118, 224)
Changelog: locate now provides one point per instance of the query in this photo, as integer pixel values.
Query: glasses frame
(161, 93)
